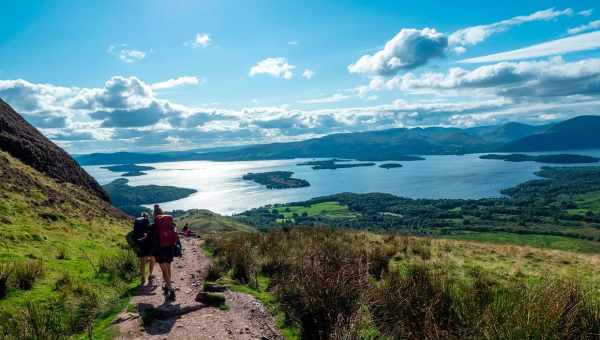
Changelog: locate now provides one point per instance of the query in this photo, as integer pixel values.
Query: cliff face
(24, 142)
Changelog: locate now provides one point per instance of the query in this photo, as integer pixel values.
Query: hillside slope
(577, 133)
(206, 222)
(24, 142)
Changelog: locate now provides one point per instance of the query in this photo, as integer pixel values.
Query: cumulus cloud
(131, 117)
(581, 42)
(586, 13)
(526, 79)
(180, 81)
(410, 48)
(126, 54)
(308, 74)
(476, 34)
(127, 113)
(201, 40)
(277, 67)
(592, 25)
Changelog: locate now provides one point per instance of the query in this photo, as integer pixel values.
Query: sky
(103, 76)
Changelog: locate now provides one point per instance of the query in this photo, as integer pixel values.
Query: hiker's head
(157, 210)
(144, 215)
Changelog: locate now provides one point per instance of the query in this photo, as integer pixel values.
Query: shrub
(215, 271)
(35, 321)
(415, 305)
(27, 272)
(123, 265)
(6, 270)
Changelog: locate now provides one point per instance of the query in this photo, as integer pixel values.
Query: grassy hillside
(63, 250)
(206, 222)
(334, 284)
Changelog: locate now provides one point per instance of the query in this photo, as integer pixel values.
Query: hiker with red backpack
(167, 246)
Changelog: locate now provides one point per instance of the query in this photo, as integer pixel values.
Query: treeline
(544, 206)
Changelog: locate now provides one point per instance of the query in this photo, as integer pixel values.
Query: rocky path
(246, 318)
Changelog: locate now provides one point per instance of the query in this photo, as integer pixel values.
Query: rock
(210, 299)
(215, 288)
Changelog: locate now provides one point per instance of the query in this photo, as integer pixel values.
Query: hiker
(165, 247)
(142, 234)
(187, 232)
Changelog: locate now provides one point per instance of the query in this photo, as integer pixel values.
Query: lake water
(221, 187)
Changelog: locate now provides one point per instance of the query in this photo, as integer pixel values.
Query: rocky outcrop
(24, 142)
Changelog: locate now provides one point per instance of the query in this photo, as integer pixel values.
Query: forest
(565, 201)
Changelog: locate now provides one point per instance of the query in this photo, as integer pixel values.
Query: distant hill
(26, 143)
(581, 132)
(204, 222)
(393, 144)
(507, 132)
(129, 198)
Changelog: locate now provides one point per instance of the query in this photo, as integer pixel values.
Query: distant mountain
(27, 144)
(581, 132)
(506, 132)
(392, 144)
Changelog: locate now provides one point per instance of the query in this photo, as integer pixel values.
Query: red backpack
(165, 230)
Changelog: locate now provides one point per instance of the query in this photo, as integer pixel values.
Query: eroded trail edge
(153, 318)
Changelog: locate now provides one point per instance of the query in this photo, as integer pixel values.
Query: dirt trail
(185, 318)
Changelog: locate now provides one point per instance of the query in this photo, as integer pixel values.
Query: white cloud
(125, 54)
(331, 99)
(592, 25)
(201, 40)
(293, 43)
(459, 50)
(586, 13)
(526, 80)
(308, 74)
(276, 67)
(410, 48)
(582, 42)
(180, 81)
(475, 34)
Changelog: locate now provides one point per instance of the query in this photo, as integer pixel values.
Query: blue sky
(157, 75)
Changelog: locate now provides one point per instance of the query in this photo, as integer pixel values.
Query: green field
(538, 241)
(589, 202)
(325, 209)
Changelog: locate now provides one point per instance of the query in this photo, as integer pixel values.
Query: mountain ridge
(393, 144)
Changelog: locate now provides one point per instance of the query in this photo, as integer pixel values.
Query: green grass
(68, 229)
(538, 241)
(261, 293)
(326, 209)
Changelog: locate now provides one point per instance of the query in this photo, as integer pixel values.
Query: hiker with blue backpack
(140, 239)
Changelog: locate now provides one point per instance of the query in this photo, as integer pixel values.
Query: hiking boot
(171, 294)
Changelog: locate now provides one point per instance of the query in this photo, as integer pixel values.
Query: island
(276, 179)
(332, 164)
(552, 159)
(129, 198)
(129, 170)
(390, 166)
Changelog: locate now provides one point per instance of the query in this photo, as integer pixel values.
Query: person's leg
(143, 269)
(164, 267)
(151, 261)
